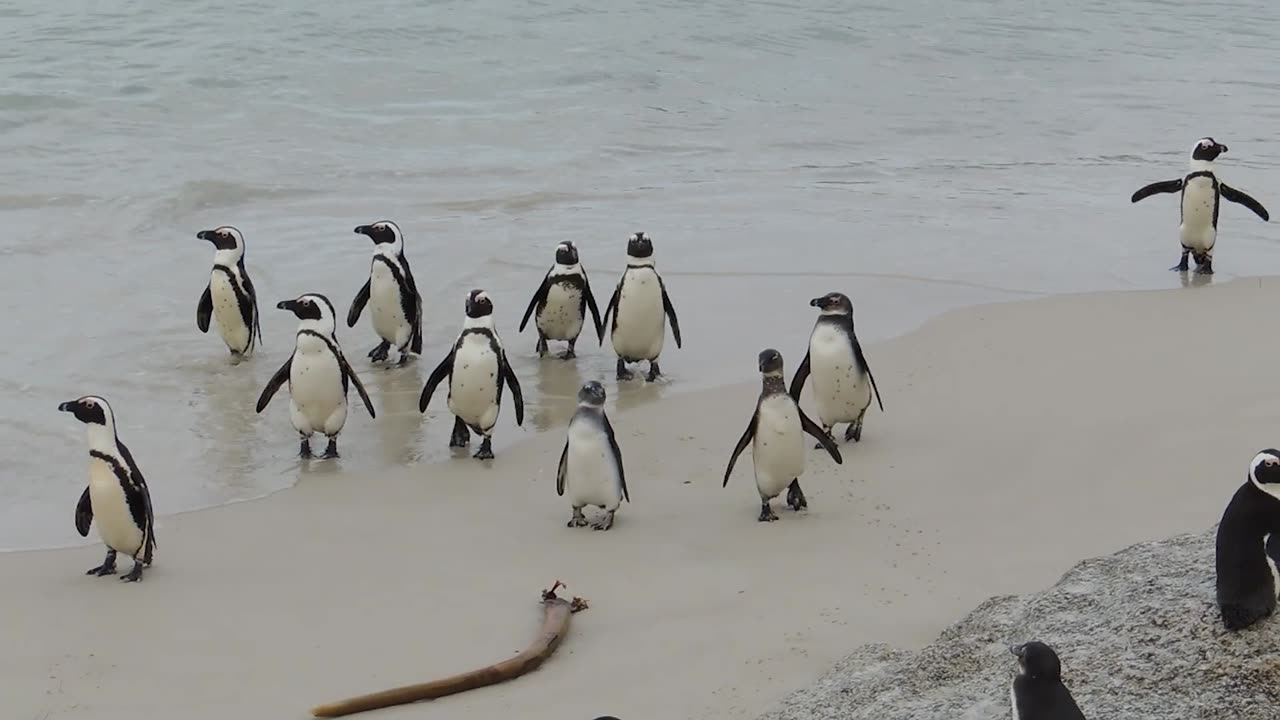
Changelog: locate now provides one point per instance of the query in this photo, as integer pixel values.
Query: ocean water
(919, 156)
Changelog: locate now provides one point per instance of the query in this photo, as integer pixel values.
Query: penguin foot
(461, 435)
(623, 372)
(1205, 269)
(569, 354)
(135, 574)
(578, 519)
(305, 449)
(486, 450)
(854, 431)
(795, 496)
(331, 451)
(604, 523)
(108, 566)
(766, 513)
(379, 353)
(654, 372)
(1182, 265)
(1239, 617)
(542, 347)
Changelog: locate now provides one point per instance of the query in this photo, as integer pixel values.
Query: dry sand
(1017, 439)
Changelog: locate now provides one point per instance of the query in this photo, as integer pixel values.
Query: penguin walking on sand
(561, 303)
(318, 375)
(1202, 196)
(1248, 546)
(229, 298)
(640, 308)
(477, 369)
(776, 433)
(392, 294)
(117, 496)
(591, 462)
(1037, 692)
(842, 380)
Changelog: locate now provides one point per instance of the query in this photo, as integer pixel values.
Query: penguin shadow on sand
(399, 422)
(557, 383)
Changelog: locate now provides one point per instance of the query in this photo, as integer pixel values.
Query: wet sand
(1017, 438)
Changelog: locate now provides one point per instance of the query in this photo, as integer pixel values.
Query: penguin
(1248, 546)
(1037, 692)
(318, 375)
(638, 306)
(776, 433)
(591, 462)
(1202, 195)
(117, 495)
(396, 303)
(229, 297)
(842, 380)
(561, 302)
(477, 368)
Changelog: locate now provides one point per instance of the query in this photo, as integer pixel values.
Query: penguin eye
(1271, 462)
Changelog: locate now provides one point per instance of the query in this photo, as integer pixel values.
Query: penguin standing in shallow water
(561, 303)
(477, 369)
(842, 380)
(1202, 195)
(1037, 692)
(117, 496)
(317, 373)
(392, 294)
(776, 433)
(640, 308)
(1248, 546)
(591, 462)
(229, 297)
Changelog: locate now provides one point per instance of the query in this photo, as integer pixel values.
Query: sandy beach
(1017, 439)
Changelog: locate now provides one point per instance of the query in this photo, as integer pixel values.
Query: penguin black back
(1037, 692)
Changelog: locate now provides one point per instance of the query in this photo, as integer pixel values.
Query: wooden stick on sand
(555, 623)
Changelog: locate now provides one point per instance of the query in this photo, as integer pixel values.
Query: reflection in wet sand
(1195, 279)
(395, 396)
(229, 426)
(631, 394)
(556, 397)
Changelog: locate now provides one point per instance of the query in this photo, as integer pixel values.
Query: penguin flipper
(742, 444)
(1242, 198)
(862, 360)
(256, 326)
(138, 496)
(539, 295)
(348, 372)
(414, 312)
(204, 310)
(560, 471)
(612, 307)
(517, 397)
(591, 305)
(1155, 188)
(670, 310)
(797, 380)
(273, 385)
(812, 428)
(443, 370)
(357, 305)
(617, 455)
(84, 513)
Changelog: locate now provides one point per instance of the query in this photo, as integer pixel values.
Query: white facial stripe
(1259, 461)
(482, 296)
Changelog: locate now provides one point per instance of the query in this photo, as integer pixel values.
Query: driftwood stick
(555, 623)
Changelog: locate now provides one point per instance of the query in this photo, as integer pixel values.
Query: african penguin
(1248, 546)
(776, 433)
(1037, 692)
(1202, 193)
(477, 368)
(318, 375)
(117, 496)
(591, 462)
(561, 303)
(842, 380)
(640, 307)
(394, 300)
(229, 297)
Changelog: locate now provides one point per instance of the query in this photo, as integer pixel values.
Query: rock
(1138, 632)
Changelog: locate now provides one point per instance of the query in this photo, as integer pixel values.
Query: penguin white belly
(591, 475)
(640, 317)
(777, 450)
(226, 312)
(316, 400)
(1272, 562)
(840, 388)
(1197, 231)
(384, 302)
(561, 319)
(473, 386)
(111, 510)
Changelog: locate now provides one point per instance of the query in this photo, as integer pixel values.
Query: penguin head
(312, 307)
(90, 410)
(1264, 471)
(640, 246)
(383, 232)
(1207, 149)
(225, 239)
(478, 304)
(833, 303)
(1037, 661)
(770, 361)
(592, 393)
(566, 253)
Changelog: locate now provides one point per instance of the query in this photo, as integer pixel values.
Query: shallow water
(917, 155)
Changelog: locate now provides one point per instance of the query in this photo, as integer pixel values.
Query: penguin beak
(818, 302)
(364, 230)
(287, 305)
(1222, 148)
(68, 406)
(1016, 650)
(205, 235)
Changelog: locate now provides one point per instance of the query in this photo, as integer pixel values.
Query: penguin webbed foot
(379, 353)
(461, 435)
(854, 431)
(623, 372)
(605, 522)
(486, 450)
(304, 449)
(1205, 269)
(108, 566)
(1236, 617)
(331, 451)
(1182, 265)
(542, 346)
(766, 512)
(795, 496)
(578, 519)
(569, 353)
(134, 575)
(654, 372)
